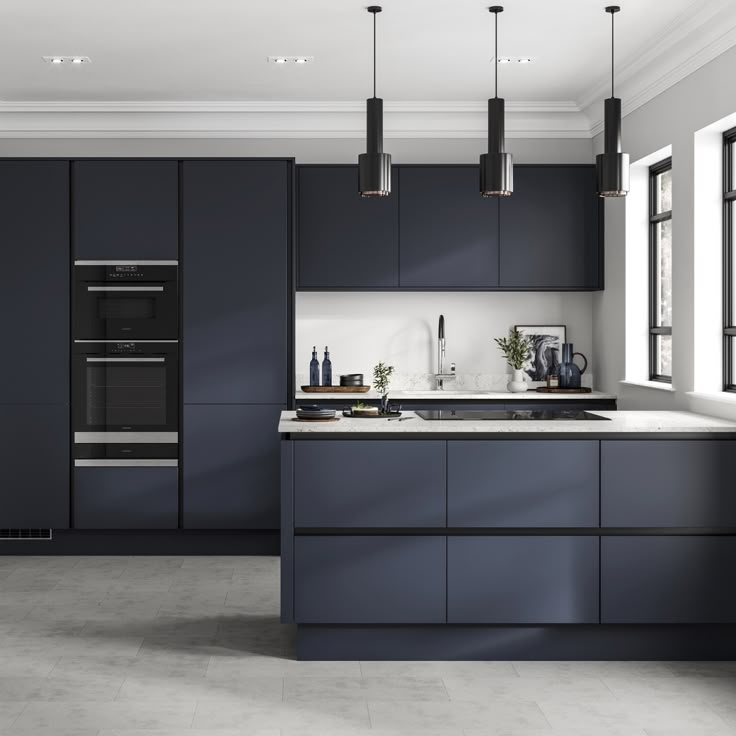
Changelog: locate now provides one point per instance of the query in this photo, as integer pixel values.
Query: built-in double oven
(125, 371)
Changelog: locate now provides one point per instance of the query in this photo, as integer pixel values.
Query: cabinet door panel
(549, 229)
(449, 233)
(34, 467)
(34, 281)
(235, 281)
(668, 580)
(668, 483)
(370, 580)
(335, 484)
(525, 483)
(522, 580)
(231, 467)
(126, 498)
(345, 240)
(126, 210)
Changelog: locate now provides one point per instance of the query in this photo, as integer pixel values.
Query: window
(729, 261)
(660, 271)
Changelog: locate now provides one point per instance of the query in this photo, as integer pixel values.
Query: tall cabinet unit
(34, 318)
(236, 285)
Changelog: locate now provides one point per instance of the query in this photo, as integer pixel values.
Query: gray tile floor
(127, 646)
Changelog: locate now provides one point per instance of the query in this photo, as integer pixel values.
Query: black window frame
(655, 218)
(729, 195)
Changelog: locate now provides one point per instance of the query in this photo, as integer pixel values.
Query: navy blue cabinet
(345, 241)
(668, 580)
(524, 483)
(34, 466)
(370, 580)
(126, 497)
(235, 272)
(670, 483)
(125, 209)
(448, 232)
(231, 462)
(550, 230)
(522, 580)
(34, 281)
(335, 485)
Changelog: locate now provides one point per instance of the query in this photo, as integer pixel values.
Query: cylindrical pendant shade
(374, 166)
(496, 166)
(612, 166)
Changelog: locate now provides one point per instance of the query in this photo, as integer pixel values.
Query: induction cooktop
(491, 415)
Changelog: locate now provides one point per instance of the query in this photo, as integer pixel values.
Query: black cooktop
(491, 415)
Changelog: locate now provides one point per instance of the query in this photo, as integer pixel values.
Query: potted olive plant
(515, 348)
(381, 380)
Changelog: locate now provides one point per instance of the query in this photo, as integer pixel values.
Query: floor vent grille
(25, 534)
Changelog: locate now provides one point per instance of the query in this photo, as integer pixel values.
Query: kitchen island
(610, 538)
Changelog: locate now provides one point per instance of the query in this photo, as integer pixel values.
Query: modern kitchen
(369, 370)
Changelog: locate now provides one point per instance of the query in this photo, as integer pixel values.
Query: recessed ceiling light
(504, 61)
(526, 60)
(67, 59)
(301, 60)
(290, 59)
(280, 61)
(57, 61)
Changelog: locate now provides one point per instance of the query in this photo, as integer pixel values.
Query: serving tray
(335, 389)
(348, 413)
(545, 390)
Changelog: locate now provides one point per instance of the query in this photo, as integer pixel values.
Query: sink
(469, 415)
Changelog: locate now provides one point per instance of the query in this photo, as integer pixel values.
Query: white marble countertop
(395, 397)
(621, 422)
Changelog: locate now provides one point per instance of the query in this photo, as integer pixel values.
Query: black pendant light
(374, 166)
(612, 166)
(496, 166)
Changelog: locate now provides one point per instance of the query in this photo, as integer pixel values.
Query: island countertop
(396, 397)
(620, 423)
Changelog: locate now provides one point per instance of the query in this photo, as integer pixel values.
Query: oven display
(126, 269)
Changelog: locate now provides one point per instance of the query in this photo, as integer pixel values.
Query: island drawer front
(668, 580)
(668, 483)
(522, 580)
(370, 483)
(370, 580)
(522, 483)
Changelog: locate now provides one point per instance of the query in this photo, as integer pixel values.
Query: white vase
(517, 384)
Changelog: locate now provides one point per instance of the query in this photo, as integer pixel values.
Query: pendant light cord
(374, 54)
(612, 48)
(495, 53)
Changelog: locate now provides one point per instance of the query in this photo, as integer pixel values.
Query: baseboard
(153, 542)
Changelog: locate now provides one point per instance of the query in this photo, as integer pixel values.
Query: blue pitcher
(568, 371)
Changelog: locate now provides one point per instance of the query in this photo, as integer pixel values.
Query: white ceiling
(215, 50)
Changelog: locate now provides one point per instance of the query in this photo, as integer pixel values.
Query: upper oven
(125, 391)
(126, 300)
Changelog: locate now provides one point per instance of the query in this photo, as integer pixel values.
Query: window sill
(725, 397)
(657, 385)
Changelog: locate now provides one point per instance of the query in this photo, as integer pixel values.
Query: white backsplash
(363, 328)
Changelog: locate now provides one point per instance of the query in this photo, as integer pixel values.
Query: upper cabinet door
(449, 233)
(34, 281)
(125, 210)
(550, 236)
(235, 272)
(345, 241)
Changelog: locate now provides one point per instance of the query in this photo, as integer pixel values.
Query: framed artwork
(546, 349)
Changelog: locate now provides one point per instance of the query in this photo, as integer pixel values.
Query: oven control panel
(125, 271)
(124, 348)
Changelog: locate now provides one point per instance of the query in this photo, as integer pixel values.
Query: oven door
(126, 392)
(126, 308)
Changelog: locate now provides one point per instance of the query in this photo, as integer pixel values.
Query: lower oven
(125, 400)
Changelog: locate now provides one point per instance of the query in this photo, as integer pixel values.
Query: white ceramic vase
(517, 384)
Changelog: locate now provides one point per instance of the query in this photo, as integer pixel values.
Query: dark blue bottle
(327, 369)
(314, 368)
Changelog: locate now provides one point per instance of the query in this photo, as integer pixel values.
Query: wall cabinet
(345, 241)
(668, 580)
(448, 232)
(125, 209)
(522, 580)
(550, 230)
(370, 580)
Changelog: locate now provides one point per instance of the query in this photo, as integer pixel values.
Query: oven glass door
(126, 394)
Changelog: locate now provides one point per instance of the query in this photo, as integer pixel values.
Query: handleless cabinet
(345, 241)
(449, 233)
(125, 209)
(550, 230)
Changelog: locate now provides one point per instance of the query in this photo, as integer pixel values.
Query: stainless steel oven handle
(125, 288)
(124, 463)
(126, 360)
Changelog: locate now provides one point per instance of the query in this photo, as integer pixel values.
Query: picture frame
(546, 352)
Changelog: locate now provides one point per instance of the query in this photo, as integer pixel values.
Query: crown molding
(691, 41)
(282, 119)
